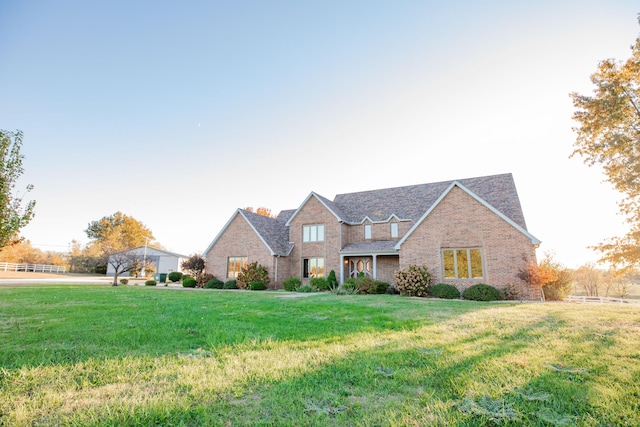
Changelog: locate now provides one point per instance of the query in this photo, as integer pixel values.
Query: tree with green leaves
(114, 235)
(13, 216)
(608, 134)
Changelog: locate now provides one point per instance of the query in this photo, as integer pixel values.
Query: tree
(194, 265)
(124, 262)
(13, 216)
(261, 211)
(554, 279)
(609, 135)
(113, 236)
(590, 279)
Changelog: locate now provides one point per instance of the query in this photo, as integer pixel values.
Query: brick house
(466, 231)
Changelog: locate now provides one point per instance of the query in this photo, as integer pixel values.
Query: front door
(360, 265)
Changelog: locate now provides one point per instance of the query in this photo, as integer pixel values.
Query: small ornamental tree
(414, 281)
(332, 282)
(253, 272)
(552, 277)
(194, 266)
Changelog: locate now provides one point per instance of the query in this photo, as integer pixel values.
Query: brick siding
(240, 240)
(314, 212)
(460, 221)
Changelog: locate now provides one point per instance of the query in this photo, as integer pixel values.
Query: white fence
(584, 298)
(40, 268)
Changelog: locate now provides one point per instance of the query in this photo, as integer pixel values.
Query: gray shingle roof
(407, 203)
(375, 246)
(411, 202)
(273, 231)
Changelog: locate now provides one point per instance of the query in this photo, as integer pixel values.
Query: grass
(99, 355)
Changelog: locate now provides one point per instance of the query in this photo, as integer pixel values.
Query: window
(462, 263)
(312, 267)
(313, 233)
(235, 264)
(394, 230)
(367, 231)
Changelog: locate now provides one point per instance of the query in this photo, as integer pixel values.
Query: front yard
(100, 355)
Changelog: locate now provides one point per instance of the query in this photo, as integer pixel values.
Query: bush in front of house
(349, 286)
(379, 287)
(214, 284)
(481, 292)
(307, 288)
(363, 284)
(368, 285)
(332, 282)
(124, 281)
(174, 276)
(230, 284)
(150, 283)
(291, 284)
(511, 292)
(189, 282)
(414, 281)
(445, 291)
(253, 272)
(257, 286)
(319, 283)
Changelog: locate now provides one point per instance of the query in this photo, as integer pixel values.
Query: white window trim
(395, 231)
(313, 233)
(368, 231)
(455, 263)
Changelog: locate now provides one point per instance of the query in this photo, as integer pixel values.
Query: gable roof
(272, 231)
(522, 229)
(411, 202)
(331, 206)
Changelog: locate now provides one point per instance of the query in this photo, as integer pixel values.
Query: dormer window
(394, 230)
(313, 233)
(367, 231)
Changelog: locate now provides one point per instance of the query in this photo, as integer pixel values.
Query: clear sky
(177, 113)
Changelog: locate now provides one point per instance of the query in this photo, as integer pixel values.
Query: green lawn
(99, 355)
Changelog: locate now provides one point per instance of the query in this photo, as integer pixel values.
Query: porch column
(341, 269)
(375, 267)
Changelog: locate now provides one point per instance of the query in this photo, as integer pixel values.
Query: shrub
(214, 284)
(350, 286)
(306, 288)
(291, 284)
(150, 283)
(560, 287)
(341, 290)
(230, 284)
(364, 284)
(379, 287)
(257, 286)
(332, 282)
(174, 276)
(414, 281)
(124, 281)
(444, 290)
(203, 278)
(189, 282)
(253, 272)
(511, 292)
(481, 292)
(319, 283)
